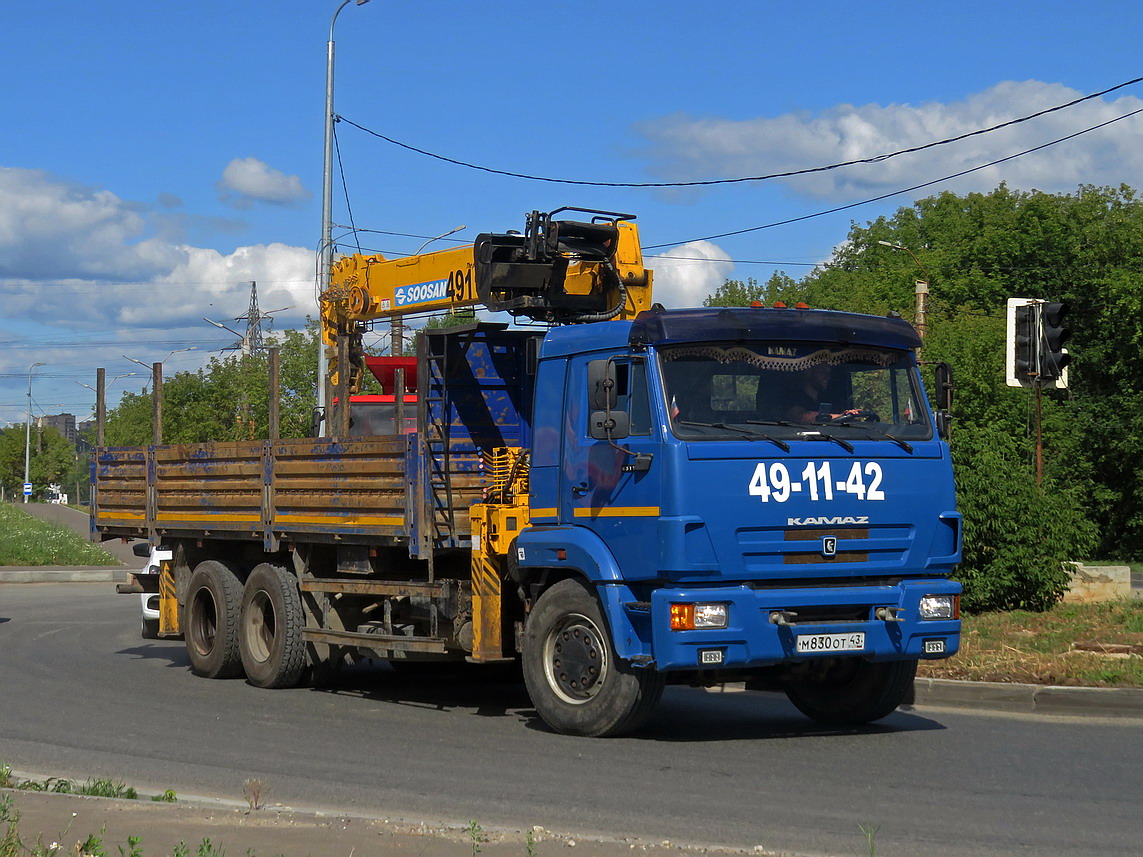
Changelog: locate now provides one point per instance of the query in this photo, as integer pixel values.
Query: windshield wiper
(750, 435)
(811, 435)
(769, 423)
(905, 445)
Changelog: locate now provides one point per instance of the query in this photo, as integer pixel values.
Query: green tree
(1017, 536)
(51, 459)
(977, 251)
(228, 399)
(452, 318)
(779, 287)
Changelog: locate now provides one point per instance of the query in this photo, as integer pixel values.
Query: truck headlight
(940, 607)
(691, 617)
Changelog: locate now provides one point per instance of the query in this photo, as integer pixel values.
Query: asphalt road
(82, 695)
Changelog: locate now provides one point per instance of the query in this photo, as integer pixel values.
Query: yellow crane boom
(556, 271)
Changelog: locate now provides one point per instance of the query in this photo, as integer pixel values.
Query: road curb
(65, 574)
(1028, 698)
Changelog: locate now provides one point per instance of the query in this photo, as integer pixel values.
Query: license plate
(934, 647)
(812, 643)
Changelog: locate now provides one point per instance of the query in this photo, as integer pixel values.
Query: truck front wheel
(214, 596)
(853, 691)
(270, 641)
(573, 677)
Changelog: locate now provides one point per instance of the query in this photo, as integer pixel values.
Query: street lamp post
(921, 286)
(112, 381)
(179, 351)
(28, 432)
(243, 338)
(326, 254)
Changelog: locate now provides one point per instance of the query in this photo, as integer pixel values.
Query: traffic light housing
(1034, 346)
(1025, 341)
(1054, 358)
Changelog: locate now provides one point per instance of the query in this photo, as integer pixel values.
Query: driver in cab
(809, 405)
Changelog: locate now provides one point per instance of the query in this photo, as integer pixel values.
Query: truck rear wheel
(214, 597)
(576, 682)
(270, 640)
(853, 691)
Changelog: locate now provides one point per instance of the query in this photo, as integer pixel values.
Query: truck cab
(755, 493)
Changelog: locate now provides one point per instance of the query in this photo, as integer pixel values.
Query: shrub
(1017, 535)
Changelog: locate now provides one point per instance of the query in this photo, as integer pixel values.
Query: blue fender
(587, 556)
(583, 551)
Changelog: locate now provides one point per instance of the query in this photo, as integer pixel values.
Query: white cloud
(76, 257)
(207, 281)
(50, 228)
(685, 148)
(86, 276)
(247, 180)
(686, 274)
(195, 282)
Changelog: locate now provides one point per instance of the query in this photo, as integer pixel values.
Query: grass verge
(27, 541)
(92, 845)
(12, 845)
(1080, 645)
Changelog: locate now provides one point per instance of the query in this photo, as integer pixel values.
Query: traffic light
(1034, 346)
(1025, 342)
(1053, 357)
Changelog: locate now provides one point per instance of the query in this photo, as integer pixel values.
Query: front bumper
(752, 639)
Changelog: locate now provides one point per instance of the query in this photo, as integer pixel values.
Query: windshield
(860, 392)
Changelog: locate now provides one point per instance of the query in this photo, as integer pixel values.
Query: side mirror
(943, 379)
(317, 417)
(141, 549)
(610, 425)
(944, 423)
(601, 380)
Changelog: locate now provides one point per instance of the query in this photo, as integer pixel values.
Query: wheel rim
(261, 627)
(575, 659)
(204, 625)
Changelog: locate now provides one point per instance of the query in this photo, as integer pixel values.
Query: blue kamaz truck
(627, 497)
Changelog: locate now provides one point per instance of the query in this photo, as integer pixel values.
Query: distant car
(148, 578)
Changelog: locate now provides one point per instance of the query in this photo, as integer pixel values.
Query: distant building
(64, 424)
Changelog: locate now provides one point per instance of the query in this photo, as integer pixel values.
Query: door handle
(580, 490)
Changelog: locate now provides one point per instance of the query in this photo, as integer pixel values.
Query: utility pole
(920, 289)
(252, 340)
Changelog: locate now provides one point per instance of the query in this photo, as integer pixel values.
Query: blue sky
(156, 157)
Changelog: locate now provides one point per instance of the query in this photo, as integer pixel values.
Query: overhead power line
(874, 159)
(915, 187)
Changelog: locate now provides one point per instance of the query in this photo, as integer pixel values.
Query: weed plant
(1054, 647)
(27, 541)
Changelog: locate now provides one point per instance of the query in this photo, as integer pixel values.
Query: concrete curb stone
(64, 574)
(1124, 702)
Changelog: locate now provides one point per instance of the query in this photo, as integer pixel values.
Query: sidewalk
(234, 829)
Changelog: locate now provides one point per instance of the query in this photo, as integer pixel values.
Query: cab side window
(631, 394)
